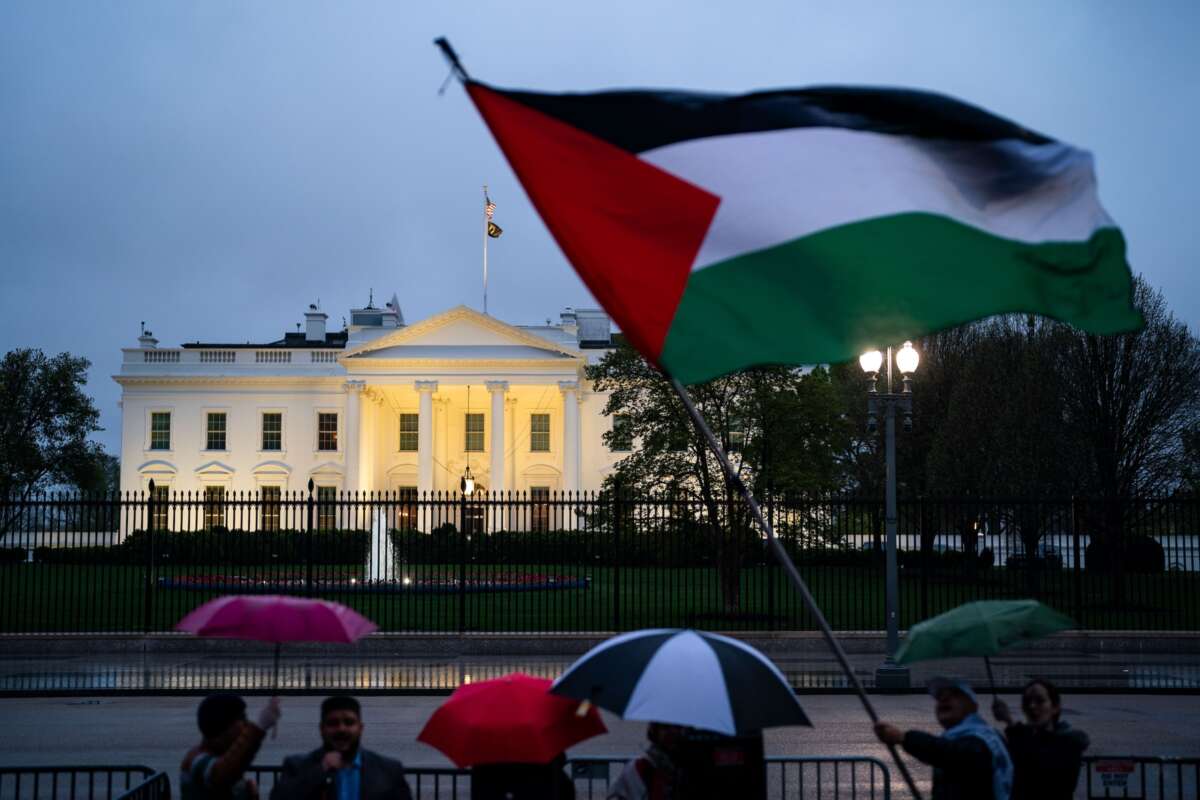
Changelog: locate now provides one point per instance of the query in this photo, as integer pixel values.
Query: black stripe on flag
(773, 703)
(643, 119)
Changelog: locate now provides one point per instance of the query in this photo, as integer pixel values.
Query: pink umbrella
(276, 618)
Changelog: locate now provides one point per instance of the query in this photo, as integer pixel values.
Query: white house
(380, 406)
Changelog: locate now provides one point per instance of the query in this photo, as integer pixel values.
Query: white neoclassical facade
(378, 407)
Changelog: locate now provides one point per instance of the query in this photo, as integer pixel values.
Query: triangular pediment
(459, 333)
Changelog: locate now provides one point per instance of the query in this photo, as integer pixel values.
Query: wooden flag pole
(790, 568)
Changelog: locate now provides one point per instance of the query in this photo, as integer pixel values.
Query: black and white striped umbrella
(684, 677)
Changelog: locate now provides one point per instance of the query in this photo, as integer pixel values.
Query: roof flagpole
(486, 217)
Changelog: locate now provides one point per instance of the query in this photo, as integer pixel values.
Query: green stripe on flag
(826, 297)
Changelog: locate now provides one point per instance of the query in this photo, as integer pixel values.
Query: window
(408, 432)
(272, 431)
(327, 431)
(621, 440)
(406, 511)
(539, 433)
(271, 497)
(540, 516)
(737, 434)
(216, 431)
(474, 443)
(160, 430)
(158, 520)
(214, 506)
(326, 507)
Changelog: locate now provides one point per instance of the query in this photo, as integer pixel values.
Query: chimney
(566, 320)
(314, 324)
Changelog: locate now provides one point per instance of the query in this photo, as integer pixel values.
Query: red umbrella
(276, 618)
(513, 719)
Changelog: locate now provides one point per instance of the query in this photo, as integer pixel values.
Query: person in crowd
(216, 767)
(341, 768)
(969, 759)
(656, 774)
(1047, 753)
(523, 781)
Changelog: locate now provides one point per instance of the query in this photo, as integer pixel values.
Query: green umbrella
(982, 628)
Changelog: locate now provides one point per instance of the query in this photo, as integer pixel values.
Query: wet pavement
(118, 674)
(156, 731)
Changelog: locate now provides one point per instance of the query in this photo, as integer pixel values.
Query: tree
(1131, 402)
(45, 421)
(777, 423)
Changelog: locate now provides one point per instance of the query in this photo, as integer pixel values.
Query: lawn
(95, 598)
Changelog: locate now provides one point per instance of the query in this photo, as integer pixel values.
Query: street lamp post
(890, 675)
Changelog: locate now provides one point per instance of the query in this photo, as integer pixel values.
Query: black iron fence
(92, 782)
(587, 562)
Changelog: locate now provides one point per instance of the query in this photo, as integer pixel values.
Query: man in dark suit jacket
(341, 769)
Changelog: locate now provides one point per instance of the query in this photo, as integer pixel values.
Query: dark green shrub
(220, 547)
(12, 555)
(1137, 554)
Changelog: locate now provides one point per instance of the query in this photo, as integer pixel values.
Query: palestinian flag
(807, 225)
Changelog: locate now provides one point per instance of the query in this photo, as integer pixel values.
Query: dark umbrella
(684, 677)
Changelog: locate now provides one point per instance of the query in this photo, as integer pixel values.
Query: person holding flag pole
(920, 212)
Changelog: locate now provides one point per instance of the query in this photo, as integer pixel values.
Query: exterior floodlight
(871, 361)
(467, 484)
(907, 359)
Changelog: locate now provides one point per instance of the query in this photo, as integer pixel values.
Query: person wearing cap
(1047, 753)
(969, 759)
(216, 767)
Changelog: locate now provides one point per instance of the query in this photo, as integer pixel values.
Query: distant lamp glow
(407, 581)
(907, 359)
(467, 483)
(871, 361)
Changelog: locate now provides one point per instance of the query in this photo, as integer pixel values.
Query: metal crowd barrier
(156, 787)
(1142, 777)
(808, 777)
(72, 782)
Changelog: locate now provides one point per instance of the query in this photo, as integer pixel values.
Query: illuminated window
(271, 506)
(160, 430)
(272, 431)
(214, 506)
(474, 443)
(408, 432)
(215, 431)
(540, 515)
(406, 511)
(161, 510)
(327, 431)
(326, 507)
(539, 433)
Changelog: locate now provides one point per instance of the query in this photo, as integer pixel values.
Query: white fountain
(381, 557)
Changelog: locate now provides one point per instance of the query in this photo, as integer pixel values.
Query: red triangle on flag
(630, 229)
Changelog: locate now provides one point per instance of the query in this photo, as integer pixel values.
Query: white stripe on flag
(777, 186)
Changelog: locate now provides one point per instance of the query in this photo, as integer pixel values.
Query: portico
(379, 407)
(485, 395)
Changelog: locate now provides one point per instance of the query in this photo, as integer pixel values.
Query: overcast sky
(213, 167)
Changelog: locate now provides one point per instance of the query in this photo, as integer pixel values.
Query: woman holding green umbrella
(1047, 753)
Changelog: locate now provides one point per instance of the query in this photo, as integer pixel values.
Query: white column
(443, 481)
(352, 445)
(570, 393)
(425, 437)
(498, 390)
